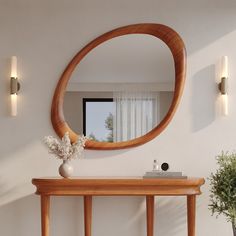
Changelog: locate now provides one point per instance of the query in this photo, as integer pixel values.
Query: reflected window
(98, 118)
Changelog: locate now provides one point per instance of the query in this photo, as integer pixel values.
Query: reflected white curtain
(136, 113)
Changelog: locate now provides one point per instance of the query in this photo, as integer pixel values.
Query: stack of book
(164, 175)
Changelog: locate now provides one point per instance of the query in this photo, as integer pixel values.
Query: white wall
(45, 35)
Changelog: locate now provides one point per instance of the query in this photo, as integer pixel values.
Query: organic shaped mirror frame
(162, 32)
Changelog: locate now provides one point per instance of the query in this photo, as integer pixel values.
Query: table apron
(114, 191)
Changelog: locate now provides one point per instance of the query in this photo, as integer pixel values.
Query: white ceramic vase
(66, 169)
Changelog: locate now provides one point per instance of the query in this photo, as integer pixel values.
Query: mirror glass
(122, 89)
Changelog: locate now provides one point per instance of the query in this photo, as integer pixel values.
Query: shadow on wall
(204, 17)
(120, 216)
(16, 172)
(168, 209)
(204, 96)
(127, 216)
(24, 214)
(98, 154)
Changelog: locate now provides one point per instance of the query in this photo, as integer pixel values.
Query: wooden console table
(118, 186)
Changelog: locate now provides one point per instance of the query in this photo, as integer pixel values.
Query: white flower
(65, 150)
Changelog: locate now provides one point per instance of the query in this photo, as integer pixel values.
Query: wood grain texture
(45, 208)
(87, 215)
(162, 32)
(191, 208)
(118, 186)
(150, 214)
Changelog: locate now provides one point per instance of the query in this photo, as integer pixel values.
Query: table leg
(87, 215)
(150, 215)
(191, 206)
(45, 207)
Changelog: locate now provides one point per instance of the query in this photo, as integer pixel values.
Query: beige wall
(45, 35)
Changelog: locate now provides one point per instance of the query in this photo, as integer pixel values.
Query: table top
(117, 185)
(118, 179)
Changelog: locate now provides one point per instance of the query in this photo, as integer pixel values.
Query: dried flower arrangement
(64, 149)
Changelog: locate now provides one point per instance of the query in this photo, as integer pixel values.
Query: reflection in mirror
(102, 129)
(122, 89)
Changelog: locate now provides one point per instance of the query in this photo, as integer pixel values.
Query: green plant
(223, 187)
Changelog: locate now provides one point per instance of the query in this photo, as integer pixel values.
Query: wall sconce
(223, 85)
(14, 86)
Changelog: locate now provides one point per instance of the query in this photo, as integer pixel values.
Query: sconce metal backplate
(223, 85)
(15, 85)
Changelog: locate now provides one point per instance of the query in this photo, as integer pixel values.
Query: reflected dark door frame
(85, 101)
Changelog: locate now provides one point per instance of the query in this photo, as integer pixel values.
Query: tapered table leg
(87, 215)
(191, 206)
(45, 207)
(150, 215)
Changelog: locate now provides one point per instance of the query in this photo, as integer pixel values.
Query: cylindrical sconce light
(223, 85)
(14, 86)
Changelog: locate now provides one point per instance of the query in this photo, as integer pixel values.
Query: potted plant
(223, 188)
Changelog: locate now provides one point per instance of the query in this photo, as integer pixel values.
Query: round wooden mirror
(171, 40)
(121, 90)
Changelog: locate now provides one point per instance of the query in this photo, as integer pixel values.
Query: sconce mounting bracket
(223, 85)
(15, 85)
